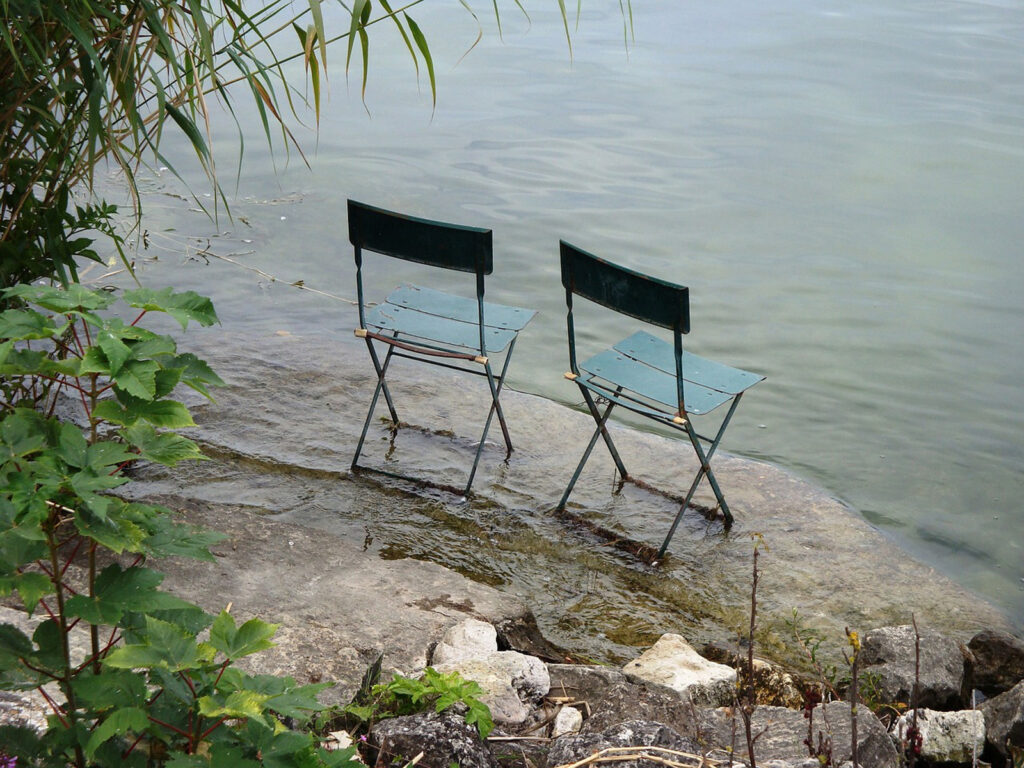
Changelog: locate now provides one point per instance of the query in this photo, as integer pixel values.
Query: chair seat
(440, 318)
(644, 366)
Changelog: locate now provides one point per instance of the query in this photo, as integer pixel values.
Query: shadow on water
(280, 439)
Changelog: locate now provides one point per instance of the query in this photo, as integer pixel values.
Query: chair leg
(380, 376)
(495, 408)
(381, 386)
(705, 469)
(600, 431)
(496, 404)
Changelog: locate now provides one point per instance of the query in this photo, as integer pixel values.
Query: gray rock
(568, 720)
(581, 682)
(997, 661)
(889, 654)
(628, 701)
(443, 739)
(675, 664)
(1004, 719)
(784, 731)
(469, 639)
(633, 733)
(512, 682)
(946, 737)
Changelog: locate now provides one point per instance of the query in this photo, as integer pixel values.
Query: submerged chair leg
(382, 371)
(600, 431)
(495, 408)
(705, 469)
(496, 404)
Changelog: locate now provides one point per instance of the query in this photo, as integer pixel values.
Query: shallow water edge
(281, 434)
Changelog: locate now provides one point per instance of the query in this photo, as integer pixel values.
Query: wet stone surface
(281, 436)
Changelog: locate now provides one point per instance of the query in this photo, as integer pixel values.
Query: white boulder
(674, 664)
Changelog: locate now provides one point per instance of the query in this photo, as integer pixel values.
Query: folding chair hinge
(679, 420)
(480, 359)
(360, 332)
(570, 376)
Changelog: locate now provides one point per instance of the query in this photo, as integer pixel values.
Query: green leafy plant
(407, 696)
(121, 664)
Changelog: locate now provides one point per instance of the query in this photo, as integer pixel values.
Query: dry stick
(914, 733)
(854, 695)
(654, 754)
(749, 697)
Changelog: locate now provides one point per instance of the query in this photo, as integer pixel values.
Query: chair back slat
(623, 290)
(435, 243)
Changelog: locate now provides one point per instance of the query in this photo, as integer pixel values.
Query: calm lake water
(840, 184)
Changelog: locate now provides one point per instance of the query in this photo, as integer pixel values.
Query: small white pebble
(291, 543)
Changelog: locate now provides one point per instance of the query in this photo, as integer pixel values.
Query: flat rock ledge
(668, 707)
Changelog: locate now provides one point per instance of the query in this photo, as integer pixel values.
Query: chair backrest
(646, 298)
(623, 290)
(435, 243)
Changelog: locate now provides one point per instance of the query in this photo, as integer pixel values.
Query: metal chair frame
(644, 374)
(432, 326)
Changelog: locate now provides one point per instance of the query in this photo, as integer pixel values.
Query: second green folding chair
(647, 375)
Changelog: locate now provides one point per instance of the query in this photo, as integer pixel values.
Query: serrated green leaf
(253, 636)
(167, 448)
(166, 380)
(14, 645)
(117, 535)
(22, 433)
(237, 704)
(117, 592)
(163, 646)
(151, 345)
(127, 410)
(138, 378)
(49, 642)
(125, 721)
(93, 361)
(87, 484)
(116, 351)
(26, 324)
(182, 306)
(196, 373)
(168, 538)
(22, 544)
(74, 296)
(110, 689)
(72, 446)
(107, 456)
(31, 587)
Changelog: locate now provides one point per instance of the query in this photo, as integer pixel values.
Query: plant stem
(94, 631)
(749, 695)
(62, 623)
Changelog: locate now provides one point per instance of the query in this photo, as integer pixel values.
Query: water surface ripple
(839, 185)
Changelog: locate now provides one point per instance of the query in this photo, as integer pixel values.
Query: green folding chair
(645, 374)
(428, 325)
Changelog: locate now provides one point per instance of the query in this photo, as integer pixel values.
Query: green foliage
(408, 696)
(148, 690)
